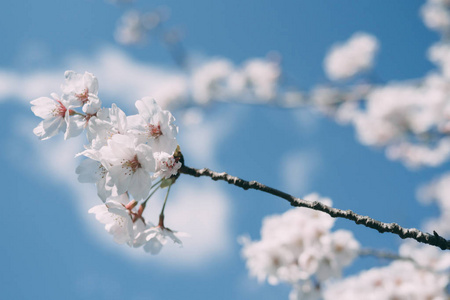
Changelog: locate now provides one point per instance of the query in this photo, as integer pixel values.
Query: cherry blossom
(116, 218)
(298, 247)
(399, 280)
(106, 123)
(166, 165)
(82, 90)
(436, 15)
(355, 55)
(154, 126)
(91, 170)
(158, 236)
(129, 165)
(209, 81)
(58, 117)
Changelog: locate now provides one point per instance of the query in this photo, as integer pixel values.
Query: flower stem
(73, 112)
(165, 201)
(155, 184)
(154, 191)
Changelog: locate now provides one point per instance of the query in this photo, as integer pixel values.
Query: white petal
(103, 190)
(75, 125)
(89, 171)
(121, 178)
(145, 157)
(140, 184)
(121, 146)
(153, 246)
(43, 107)
(91, 83)
(98, 209)
(49, 127)
(147, 107)
(92, 105)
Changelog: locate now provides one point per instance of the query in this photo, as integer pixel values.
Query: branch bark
(413, 233)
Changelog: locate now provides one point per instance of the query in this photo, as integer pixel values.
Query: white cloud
(28, 86)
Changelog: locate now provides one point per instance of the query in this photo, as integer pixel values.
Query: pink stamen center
(60, 110)
(83, 97)
(133, 164)
(169, 163)
(154, 131)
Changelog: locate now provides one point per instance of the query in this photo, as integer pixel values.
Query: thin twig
(413, 233)
(394, 256)
(383, 254)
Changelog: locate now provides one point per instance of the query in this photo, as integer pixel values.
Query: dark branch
(423, 237)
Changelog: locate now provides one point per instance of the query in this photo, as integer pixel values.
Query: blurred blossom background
(348, 99)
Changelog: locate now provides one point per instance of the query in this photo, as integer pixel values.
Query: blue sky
(52, 249)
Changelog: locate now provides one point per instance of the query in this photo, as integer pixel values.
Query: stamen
(133, 164)
(83, 97)
(59, 110)
(154, 131)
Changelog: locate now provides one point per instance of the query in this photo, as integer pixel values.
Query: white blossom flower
(342, 246)
(106, 123)
(139, 235)
(426, 256)
(91, 170)
(154, 126)
(349, 58)
(157, 237)
(416, 155)
(298, 246)
(128, 165)
(57, 117)
(82, 90)
(400, 280)
(436, 16)
(257, 80)
(262, 75)
(116, 218)
(166, 165)
(209, 81)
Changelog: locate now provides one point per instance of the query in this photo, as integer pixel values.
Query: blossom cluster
(124, 155)
(419, 277)
(436, 15)
(352, 57)
(218, 79)
(298, 248)
(409, 118)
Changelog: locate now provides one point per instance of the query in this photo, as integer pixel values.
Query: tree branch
(413, 233)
